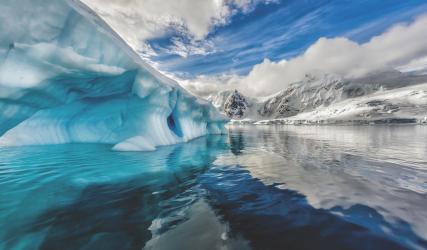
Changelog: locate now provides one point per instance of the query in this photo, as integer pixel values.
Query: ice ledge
(67, 77)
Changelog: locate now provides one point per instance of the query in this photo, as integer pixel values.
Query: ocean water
(272, 187)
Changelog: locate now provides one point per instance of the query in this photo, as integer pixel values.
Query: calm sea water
(255, 188)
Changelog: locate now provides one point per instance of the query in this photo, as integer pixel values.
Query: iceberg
(67, 77)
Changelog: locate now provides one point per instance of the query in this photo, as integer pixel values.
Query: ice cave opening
(174, 126)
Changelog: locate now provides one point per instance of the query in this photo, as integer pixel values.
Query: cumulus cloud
(206, 85)
(139, 20)
(400, 45)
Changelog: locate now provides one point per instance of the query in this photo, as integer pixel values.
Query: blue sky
(262, 46)
(283, 30)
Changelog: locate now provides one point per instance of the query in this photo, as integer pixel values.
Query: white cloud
(191, 47)
(139, 20)
(249, 5)
(205, 85)
(400, 45)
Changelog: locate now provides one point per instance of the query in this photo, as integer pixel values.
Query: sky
(261, 46)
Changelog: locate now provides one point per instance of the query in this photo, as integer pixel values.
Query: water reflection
(87, 197)
(344, 170)
(257, 187)
(236, 142)
(274, 218)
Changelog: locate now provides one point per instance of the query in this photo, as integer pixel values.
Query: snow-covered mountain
(235, 106)
(315, 93)
(231, 103)
(67, 77)
(400, 105)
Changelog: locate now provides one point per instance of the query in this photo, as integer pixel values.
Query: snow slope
(332, 99)
(401, 105)
(302, 96)
(66, 77)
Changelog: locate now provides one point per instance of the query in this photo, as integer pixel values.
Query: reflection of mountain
(273, 218)
(265, 187)
(334, 168)
(237, 143)
(332, 98)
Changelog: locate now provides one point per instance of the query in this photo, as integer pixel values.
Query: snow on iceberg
(67, 77)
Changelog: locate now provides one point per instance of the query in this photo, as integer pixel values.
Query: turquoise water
(255, 188)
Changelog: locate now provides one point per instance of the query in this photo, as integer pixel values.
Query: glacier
(67, 77)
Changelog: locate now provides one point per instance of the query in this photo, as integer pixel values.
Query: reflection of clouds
(202, 222)
(273, 218)
(380, 167)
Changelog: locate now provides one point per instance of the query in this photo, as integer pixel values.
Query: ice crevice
(66, 77)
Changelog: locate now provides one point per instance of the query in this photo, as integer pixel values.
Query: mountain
(314, 93)
(234, 104)
(399, 105)
(67, 77)
(218, 100)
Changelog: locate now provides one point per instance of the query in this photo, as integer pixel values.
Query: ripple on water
(257, 187)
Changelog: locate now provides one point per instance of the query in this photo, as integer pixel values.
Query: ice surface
(66, 77)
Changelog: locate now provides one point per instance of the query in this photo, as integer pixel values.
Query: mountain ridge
(317, 93)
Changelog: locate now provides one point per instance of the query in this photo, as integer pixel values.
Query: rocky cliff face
(235, 105)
